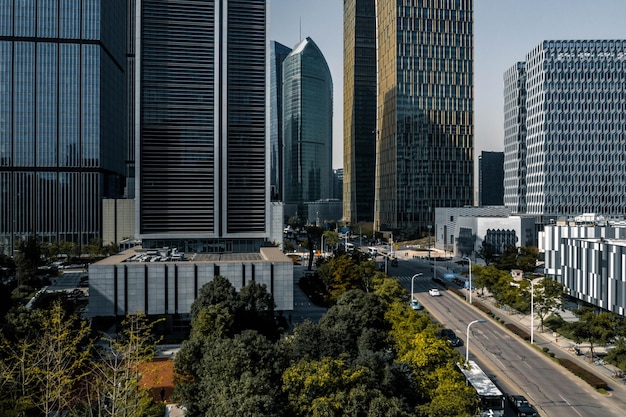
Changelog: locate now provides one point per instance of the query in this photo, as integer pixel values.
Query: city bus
(491, 398)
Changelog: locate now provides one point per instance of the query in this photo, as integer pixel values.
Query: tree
(217, 292)
(27, 259)
(331, 238)
(313, 235)
(114, 387)
(548, 297)
(44, 366)
(591, 327)
(223, 376)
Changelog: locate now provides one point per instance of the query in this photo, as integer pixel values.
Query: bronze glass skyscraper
(425, 113)
(359, 143)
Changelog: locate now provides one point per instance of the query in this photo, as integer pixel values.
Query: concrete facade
(134, 282)
(462, 230)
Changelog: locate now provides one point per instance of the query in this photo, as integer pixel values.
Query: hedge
(593, 380)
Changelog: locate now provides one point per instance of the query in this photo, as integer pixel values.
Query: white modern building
(589, 259)
(166, 282)
(463, 231)
(565, 142)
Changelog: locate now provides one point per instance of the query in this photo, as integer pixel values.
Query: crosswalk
(407, 278)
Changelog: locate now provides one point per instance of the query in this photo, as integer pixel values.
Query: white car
(434, 292)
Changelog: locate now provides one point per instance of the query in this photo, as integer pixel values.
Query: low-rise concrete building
(464, 230)
(166, 282)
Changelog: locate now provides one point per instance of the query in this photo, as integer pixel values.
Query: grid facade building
(359, 111)
(424, 111)
(62, 117)
(575, 138)
(515, 138)
(307, 126)
(201, 126)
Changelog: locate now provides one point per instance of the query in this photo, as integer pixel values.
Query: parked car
(449, 335)
(434, 292)
(522, 407)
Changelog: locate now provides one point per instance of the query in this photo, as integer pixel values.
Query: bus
(491, 399)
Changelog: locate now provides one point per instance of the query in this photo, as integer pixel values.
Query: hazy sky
(504, 31)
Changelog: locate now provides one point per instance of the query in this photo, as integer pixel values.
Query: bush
(482, 307)
(518, 331)
(582, 373)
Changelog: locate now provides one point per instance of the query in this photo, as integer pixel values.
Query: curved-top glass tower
(307, 125)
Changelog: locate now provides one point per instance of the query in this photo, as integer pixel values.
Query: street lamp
(470, 277)
(467, 337)
(532, 311)
(412, 278)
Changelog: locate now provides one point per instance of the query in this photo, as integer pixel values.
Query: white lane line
(566, 402)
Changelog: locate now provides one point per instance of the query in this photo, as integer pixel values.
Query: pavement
(562, 347)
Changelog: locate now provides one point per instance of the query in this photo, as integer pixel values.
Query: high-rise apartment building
(515, 138)
(307, 127)
(425, 111)
(202, 153)
(278, 53)
(575, 108)
(62, 117)
(359, 111)
(491, 179)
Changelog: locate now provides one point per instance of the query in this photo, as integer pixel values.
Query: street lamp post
(467, 337)
(470, 277)
(532, 312)
(412, 278)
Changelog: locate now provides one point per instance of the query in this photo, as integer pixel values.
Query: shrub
(582, 373)
(518, 331)
(482, 307)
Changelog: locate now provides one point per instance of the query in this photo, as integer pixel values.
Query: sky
(504, 31)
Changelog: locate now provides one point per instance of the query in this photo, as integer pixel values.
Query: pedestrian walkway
(562, 347)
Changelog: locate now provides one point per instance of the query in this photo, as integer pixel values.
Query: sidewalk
(562, 347)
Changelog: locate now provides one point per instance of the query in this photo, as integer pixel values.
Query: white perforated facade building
(571, 121)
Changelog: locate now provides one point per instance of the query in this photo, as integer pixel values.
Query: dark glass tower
(425, 148)
(62, 116)
(359, 84)
(491, 179)
(201, 124)
(307, 125)
(278, 53)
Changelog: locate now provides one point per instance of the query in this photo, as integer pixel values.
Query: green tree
(592, 327)
(43, 367)
(548, 298)
(114, 385)
(230, 376)
(331, 239)
(27, 259)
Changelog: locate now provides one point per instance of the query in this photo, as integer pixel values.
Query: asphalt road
(515, 366)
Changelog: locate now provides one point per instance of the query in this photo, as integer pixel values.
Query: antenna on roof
(300, 32)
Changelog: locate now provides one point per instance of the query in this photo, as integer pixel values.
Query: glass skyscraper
(359, 129)
(425, 111)
(62, 116)
(201, 126)
(307, 126)
(278, 53)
